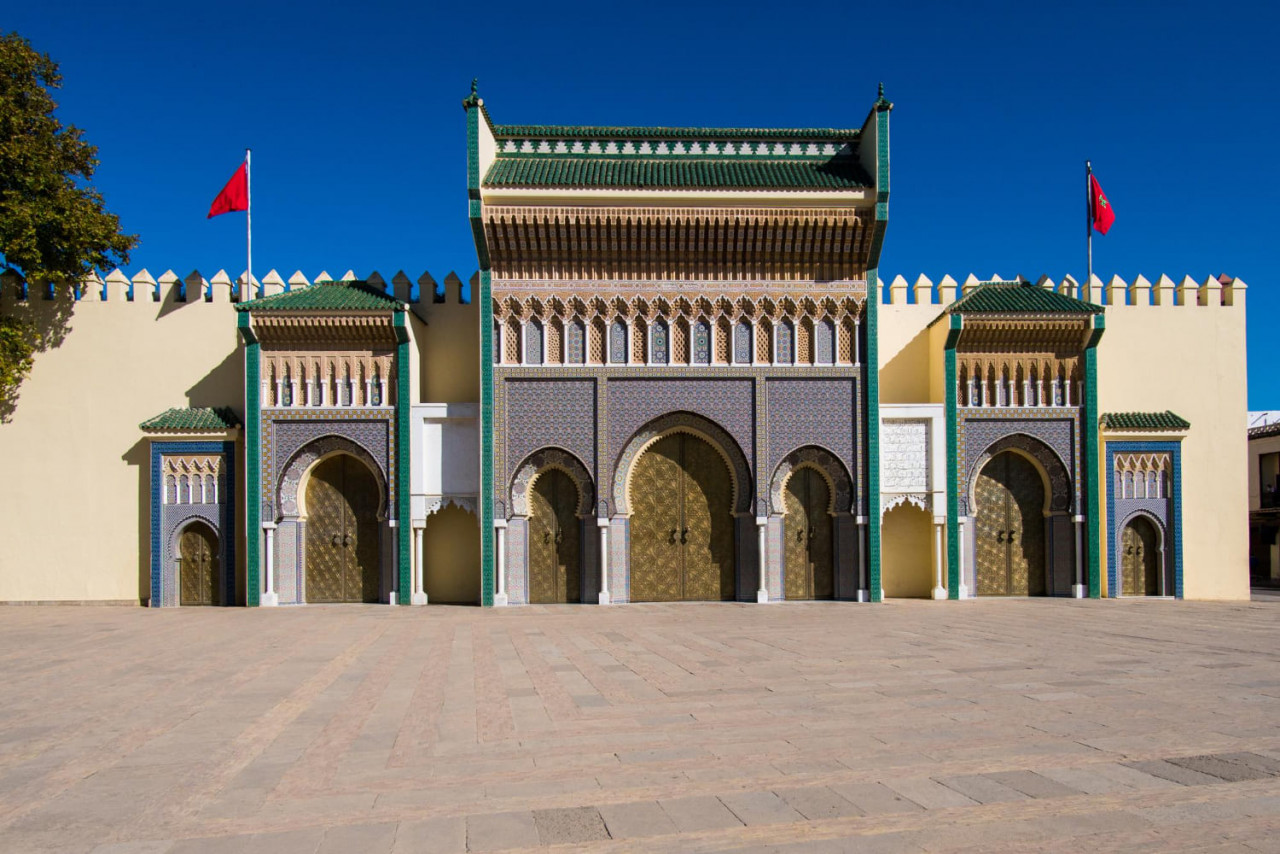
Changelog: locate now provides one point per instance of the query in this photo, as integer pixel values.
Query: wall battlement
(1223, 290)
(142, 287)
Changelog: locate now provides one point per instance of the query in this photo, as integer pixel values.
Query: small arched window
(742, 343)
(576, 349)
(497, 342)
(170, 489)
(659, 343)
(184, 490)
(533, 342)
(618, 342)
(702, 343)
(210, 489)
(786, 342)
(1128, 484)
(825, 343)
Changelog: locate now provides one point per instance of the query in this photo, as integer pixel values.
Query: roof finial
(472, 100)
(473, 88)
(882, 104)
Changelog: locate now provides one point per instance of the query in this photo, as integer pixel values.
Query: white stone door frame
(913, 469)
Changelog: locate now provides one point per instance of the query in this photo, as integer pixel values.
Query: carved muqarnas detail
(920, 500)
(821, 459)
(689, 423)
(540, 461)
(306, 457)
(1059, 480)
(462, 502)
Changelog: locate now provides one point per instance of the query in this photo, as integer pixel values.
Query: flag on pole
(1102, 214)
(234, 196)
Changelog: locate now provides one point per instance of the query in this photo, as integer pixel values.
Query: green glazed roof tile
(1144, 421)
(608, 132)
(843, 173)
(327, 296)
(1019, 298)
(205, 420)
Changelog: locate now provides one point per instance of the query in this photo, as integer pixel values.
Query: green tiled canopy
(606, 132)
(840, 173)
(1019, 298)
(327, 296)
(201, 420)
(1144, 421)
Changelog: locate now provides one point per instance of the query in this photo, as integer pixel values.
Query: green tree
(54, 227)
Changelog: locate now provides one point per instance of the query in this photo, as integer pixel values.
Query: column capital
(602, 523)
(268, 526)
(1079, 520)
(499, 523)
(761, 521)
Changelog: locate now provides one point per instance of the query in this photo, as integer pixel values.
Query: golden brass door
(1010, 528)
(1140, 559)
(342, 532)
(682, 539)
(555, 562)
(807, 530)
(198, 556)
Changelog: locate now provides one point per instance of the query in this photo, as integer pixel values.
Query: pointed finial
(882, 103)
(881, 88)
(472, 100)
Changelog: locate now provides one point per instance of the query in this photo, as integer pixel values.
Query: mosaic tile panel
(1166, 511)
(518, 562)
(812, 412)
(548, 413)
(284, 437)
(619, 565)
(166, 519)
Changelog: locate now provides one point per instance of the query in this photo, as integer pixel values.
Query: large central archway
(1010, 559)
(342, 549)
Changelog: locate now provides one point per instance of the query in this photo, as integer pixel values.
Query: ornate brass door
(555, 563)
(342, 532)
(682, 540)
(1140, 559)
(1010, 528)
(807, 530)
(198, 554)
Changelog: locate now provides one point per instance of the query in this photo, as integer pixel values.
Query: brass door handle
(999, 536)
(336, 538)
(546, 537)
(799, 536)
(346, 540)
(684, 535)
(672, 538)
(1012, 534)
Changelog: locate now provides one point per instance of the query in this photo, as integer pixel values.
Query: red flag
(1103, 215)
(234, 196)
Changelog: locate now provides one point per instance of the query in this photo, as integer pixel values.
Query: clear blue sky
(352, 111)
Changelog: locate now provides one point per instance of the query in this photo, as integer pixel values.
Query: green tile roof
(1144, 421)
(327, 296)
(1019, 298)
(841, 173)
(206, 420)
(609, 132)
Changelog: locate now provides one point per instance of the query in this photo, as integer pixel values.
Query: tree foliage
(54, 226)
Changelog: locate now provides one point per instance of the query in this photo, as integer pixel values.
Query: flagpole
(1087, 296)
(248, 225)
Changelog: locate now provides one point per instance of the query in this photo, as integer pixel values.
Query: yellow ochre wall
(76, 499)
(1187, 358)
(451, 546)
(1191, 359)
(907, 538)
(450, 347)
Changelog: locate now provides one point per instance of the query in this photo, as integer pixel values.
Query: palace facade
(677, 375)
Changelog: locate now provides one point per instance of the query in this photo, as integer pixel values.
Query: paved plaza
(1011, 725)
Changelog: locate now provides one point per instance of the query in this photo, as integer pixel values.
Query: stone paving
(1012, 725)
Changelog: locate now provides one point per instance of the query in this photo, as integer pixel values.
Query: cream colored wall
(451, 557)
(449, 348)
(906, 354)
(907, 537)
(76, 500)
(1191, 359)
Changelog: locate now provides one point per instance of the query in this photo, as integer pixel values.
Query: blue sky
(353, 114)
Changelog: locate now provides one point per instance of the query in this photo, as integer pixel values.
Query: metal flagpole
(1087, 296)
(248, 225)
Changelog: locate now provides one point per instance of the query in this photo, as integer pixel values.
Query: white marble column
(603, 525)
(963, 591)
(269, 599)
(500, 570)
(1078, 590)
(762, 595)
(857, 345)
(939, 588)
(419, 571)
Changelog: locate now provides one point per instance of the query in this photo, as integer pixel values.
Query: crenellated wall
(1175, 344)
(120, 350)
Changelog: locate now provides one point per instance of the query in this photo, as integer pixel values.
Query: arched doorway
(555, 540)
(1009, 551)
(809, 571)
(1140, 558)
(907, 552)
(682, 527)
(198, 559)
(342, 550)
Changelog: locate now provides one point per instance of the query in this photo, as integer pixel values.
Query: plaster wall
(76, 466)
(1191, 359)
(449, 347)
(908, 553)
(451, 557)
(907, 357)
